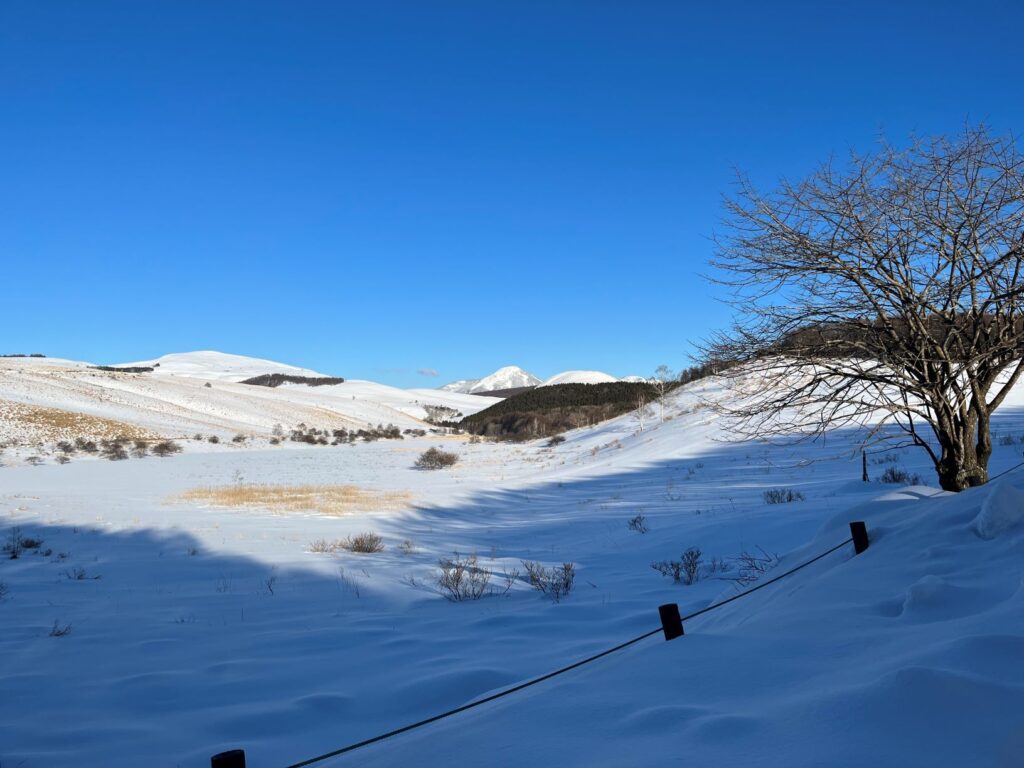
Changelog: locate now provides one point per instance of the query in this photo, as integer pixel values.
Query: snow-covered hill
(46, 400)
(214, 366)
(509, 377)
(578, 377)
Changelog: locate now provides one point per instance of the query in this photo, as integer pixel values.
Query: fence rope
(560, 671)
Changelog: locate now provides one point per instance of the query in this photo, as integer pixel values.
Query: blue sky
(375, 188)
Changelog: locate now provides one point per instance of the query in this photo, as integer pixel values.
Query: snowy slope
(213, 628)
(578, 377)
(41, 404)
(214, 366)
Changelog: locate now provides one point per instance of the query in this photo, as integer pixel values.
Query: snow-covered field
(194, 628)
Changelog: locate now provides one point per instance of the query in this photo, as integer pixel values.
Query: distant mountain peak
(509, 377)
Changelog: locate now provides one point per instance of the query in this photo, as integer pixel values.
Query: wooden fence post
(234, 758)
(671, 623)
(859, 531)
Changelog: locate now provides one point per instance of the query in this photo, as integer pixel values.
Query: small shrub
(685, 570)
(4, 591)
(275, 441)
(897, 476)
(461, 579)
(27, 542)
(62, 459)
(59, 630)
(1007, 440)
(213, 439)
(34, 461)
(323, 546)
(208, 385)
(638, 523)
(407, 547)
(140, 449)
(556, 440)
(782, 496)
(13, 547)
(78, 573)
(166, 448)
(750, 567)
(113, 450)
(366, 543)
(239, 438)
(88, 446)
(65, 447)
(555, 583)
(435, 458)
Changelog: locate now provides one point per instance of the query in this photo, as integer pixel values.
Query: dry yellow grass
(323, 499)
(43, 423)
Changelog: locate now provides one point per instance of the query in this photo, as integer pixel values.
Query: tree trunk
(964, 459)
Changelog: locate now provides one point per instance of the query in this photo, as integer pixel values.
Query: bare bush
(366, 543)
(407, 547)
(166, 448)
(751, 566)
(638, 523)
(555, 582)
(4, 591)
(78, 573)
(461, 578)
(88, 446)
(898, 476)
(556, 440)
(685, 570)
(140, 449)
(435, 458)
(782, 496)
(323, 546)
(60, 630)
(113, 450)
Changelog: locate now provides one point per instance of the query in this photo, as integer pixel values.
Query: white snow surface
(579, 377)
(509, 377)
(218, 366)
(195, 629)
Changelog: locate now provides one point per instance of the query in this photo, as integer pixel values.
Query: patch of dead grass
(55, 424)
(323, 499)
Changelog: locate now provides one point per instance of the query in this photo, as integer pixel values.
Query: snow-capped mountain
(579, 377)
(509, 377)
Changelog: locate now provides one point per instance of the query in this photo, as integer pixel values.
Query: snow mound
(1002, 510)
(579, 377)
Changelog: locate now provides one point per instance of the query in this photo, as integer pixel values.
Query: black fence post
(234, 758)
(671, 623)
(859, 531)
(864, 466)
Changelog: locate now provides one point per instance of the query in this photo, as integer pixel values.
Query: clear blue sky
(374, 188)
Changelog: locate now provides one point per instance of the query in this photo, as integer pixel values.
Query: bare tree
(642, 408)
(663, 378)
(890, 286)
